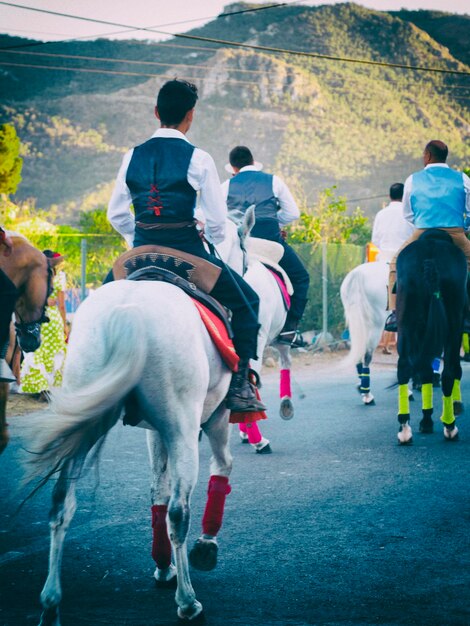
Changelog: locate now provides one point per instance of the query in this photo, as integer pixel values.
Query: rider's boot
(290, 335)
(6, 375)
(241, 396)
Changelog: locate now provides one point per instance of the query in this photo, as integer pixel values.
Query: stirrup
(297, 340)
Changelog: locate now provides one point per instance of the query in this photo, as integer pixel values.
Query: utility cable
(238, 44)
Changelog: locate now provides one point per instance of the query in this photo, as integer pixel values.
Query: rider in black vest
(161, 178)
(274, 207)
(8, 295)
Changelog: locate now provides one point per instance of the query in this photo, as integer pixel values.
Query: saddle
(269, 253)
(194, 275)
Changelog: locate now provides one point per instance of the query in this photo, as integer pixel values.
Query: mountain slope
(317, 122)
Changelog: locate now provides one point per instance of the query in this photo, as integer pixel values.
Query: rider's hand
(200, 229)
(284, 234)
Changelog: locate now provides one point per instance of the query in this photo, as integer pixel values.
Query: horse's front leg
(165, 572)
(203, 555)
(183, 459)
(61, 514)
(286, 410)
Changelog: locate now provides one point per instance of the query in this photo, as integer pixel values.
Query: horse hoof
(458, 408)
(203, 555)
(370, 403)
(50, 617)
(199, 619)
(408, 442)
(166, 578)
(426, 430)
(286, 410)
(264, 450)
(452, 433)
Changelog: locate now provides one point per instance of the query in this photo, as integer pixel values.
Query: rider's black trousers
(290, 263)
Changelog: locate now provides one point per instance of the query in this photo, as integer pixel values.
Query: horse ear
(248, 221)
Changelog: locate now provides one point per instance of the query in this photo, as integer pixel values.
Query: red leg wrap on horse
(161, 546)
(285, 389)
(217, 491)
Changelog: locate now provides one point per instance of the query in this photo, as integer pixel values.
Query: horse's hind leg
(405, 434)
(165, 572)
(286, 409)
(451, 375)
(426, 424)
(203, 555)
(61, 514)
(364, 375)
(183, 457)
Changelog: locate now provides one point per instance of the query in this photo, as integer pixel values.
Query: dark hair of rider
(240, 156)
(396, 191)
(174, 100)
(438, 151)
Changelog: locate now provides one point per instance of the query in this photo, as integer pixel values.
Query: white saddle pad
(269, 253)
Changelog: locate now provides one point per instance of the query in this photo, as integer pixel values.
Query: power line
(122, 73)
(130, 61)
(162, 76)
(250, 46)
(193, 66)
(130, 29)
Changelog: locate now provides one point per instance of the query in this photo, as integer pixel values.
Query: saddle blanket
(218, 333)
(282, 286)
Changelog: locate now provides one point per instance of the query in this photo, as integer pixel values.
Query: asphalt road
(339, 526)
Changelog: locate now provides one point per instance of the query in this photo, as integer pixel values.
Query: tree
(329, 221)
(10, 160)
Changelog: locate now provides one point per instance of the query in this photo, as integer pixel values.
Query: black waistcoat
(157, 178)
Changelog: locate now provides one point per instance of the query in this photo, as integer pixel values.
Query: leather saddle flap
(192, 268)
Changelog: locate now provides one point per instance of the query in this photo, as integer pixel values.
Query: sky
(161, 14)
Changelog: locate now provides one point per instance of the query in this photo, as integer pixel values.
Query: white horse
(244, 258)
(364, 297)
(134, 336)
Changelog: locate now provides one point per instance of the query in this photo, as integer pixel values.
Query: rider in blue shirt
(435, 197)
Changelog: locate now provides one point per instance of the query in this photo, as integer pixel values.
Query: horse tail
(436, 325)
(358, 314)
(83, 415)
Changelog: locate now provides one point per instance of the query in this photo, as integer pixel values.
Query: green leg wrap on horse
(447, 416)
(456, 393)
(403, 400)
(426, 396)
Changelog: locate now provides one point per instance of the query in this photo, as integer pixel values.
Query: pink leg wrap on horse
(253, 432)
(217, 491)
(285, 389)
(242, 427)
(161, 546)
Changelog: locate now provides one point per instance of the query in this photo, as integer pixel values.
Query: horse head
(32, 273)
(233, 249)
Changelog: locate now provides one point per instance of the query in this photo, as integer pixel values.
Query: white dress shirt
(288, 211)
(202, 176)
(407, 210)
(390, 230)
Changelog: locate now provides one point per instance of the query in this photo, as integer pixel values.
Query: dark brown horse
(31, 276)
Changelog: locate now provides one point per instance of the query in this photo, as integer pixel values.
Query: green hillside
(451, 31)
(316, 122)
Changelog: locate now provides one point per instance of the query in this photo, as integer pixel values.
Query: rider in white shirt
(391, 230)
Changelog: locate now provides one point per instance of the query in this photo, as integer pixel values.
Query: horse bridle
(33, 327)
